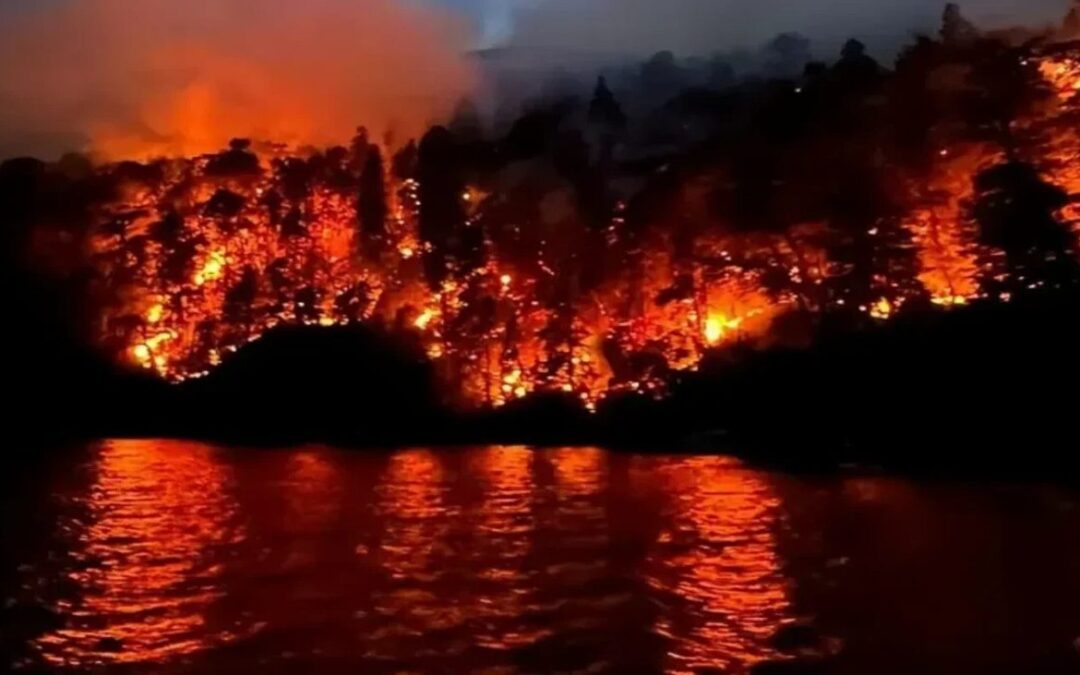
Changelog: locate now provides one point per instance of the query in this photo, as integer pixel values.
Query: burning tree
(542, 262)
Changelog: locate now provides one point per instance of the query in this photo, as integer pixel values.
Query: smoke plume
(161, 77)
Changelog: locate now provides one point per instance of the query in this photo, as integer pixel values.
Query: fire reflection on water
(502, 525)
(717, 560)
(486, 558)
(143, 561)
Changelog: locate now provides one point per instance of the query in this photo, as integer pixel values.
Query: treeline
(616, 236)
(948, 174)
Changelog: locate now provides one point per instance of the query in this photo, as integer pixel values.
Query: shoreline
(977, 389)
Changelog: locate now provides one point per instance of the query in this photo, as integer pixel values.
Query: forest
(599, 240)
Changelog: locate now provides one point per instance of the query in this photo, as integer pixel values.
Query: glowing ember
(424, 320)
(155, 314)
(882, 309)
(142, 353)
(717, 327)
(198, 257)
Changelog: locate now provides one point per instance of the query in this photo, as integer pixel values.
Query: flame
(142, 353)
(212, 270)
(198, 262)
(424, 320)
(1063, 75)
(1057, 123)
(224, 268)
(155, 313)
(718, 326)
(882, 309)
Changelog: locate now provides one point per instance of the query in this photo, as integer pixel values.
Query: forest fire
(673, 364)
(201, 263)
(197, 257)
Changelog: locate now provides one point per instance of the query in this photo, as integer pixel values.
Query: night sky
(693, 25)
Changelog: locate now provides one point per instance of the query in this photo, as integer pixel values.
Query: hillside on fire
(867, 249)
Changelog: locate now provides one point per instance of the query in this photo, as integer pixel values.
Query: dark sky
(695, 26)
(688, 26)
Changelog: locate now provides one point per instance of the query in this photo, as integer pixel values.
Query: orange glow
(212, 269)
(155, 314)
(424, 320)
(410, 500)
(882, 309)
(142, 353)
(1063, 75)
(720, 556)
(242, 272)
(717, 327)
(1056, 122)
(155, 509)
(941, 227)
(197, 263)
(714, 329)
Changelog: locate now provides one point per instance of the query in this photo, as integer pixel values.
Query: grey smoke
(697, 27)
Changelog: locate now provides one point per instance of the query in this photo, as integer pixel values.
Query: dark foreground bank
(991, 385)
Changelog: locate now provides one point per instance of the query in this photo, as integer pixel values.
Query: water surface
(174, 557)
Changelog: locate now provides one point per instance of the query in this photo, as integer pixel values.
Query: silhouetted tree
(465, 124)
(661, 76)
(358, 150)
(1016, 211)
(240, 298)
(855, 69)
(21, 188)
(238, 160)
(371, 207)
(534, 132)
(957, 31)
(75, 166)
(224, 204)
(294, 177)
(168, 230)
(273, 202)
(873, 250)
(913, 109)
(333, 169)
(721, 74)
(787, 54)
(607, 117)
(1002, 88)
(404, 164)
(307, 304)
(571, 159)
(455, 246)
(1071, 24)
(292, 225)
(179, 245)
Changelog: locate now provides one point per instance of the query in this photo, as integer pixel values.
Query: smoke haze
(134, 79)
(690, 27)
(129, 78)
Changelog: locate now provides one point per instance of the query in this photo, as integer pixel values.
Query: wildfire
(201, 256)
(1063, 75)
(718, 326)
(882, 309)
(212, 269)
(424, 320)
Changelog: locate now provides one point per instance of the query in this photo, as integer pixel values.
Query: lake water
(173, 557)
